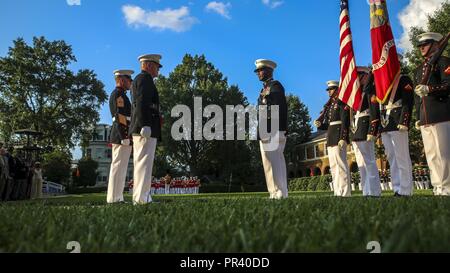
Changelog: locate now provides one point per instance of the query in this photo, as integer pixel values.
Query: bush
(356, 178)
(314, 183)
(324, 183)
(56, 166)
(223, 188)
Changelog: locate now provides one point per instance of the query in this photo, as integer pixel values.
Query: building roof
(315, 137)
(320, 134)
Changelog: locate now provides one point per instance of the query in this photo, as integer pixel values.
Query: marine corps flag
(386, 66)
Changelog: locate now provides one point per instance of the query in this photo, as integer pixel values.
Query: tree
(438, 22)
(299, 128)
(87, 173)
(56, 166)
(196, 77)
(38, 91)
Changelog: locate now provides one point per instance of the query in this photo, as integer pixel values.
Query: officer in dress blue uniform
(433, 113)
(335, 119)
(145, 126)
(395, 123)
(365, 130)
(272, 129)
(120, 107)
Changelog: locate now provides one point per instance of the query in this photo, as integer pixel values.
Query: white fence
(51, 188)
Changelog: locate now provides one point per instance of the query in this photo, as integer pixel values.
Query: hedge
(313, 183)
(223, 188)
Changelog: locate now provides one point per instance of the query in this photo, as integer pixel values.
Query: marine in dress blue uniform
(120, 108)
(145, 126)
(364, 131)
(433, 113)
(273, 140)
(337, 122)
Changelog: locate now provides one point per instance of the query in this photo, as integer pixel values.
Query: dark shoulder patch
(276, 86)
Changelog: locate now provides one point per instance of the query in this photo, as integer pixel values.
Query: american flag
(349, 87)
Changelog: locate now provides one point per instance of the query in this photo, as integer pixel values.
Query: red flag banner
(349, 86)
(386, 66)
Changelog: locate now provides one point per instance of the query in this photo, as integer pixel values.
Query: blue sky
(301, 36)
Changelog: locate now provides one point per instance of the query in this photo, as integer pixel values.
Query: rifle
(326, 109)
(431, 63)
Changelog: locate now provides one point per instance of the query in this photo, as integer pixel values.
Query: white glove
(341, 143)
(371, 138)
(317, 123)
(422, 90)
(125, 142)
(146, 132)
(402, 128)
(417, 125)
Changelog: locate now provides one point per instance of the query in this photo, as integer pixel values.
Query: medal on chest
(264, 93)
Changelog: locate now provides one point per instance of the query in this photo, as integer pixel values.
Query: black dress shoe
(400, 195)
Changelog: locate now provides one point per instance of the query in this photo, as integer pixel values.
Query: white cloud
(178, 20)
(415, 14)
(219, 8)
(74, 2)
(272, 3)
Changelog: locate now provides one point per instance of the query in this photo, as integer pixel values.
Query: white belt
(362, 114)
(397, 104)
(339, 122)
(128, 118)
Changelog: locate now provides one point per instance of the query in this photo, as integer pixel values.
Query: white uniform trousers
(118, 172)
(396, 145)
(436, 141)
(368, 170)
(340, 171)
(143, 157)
(274, 163)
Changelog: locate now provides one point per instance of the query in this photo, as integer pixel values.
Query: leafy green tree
(56, 166)
(299, 128)
(437, 22)
(39, 91)
(86, 174)
(196, 77)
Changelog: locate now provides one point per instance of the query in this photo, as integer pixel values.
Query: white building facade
(99, 149)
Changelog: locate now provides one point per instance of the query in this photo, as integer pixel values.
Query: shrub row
(316, 183)
(222, 188)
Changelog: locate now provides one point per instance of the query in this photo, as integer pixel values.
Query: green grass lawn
(306, 222)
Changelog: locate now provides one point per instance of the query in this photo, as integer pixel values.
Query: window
(319, 150)
(310, 152)
(98, 153)
(302, 154)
